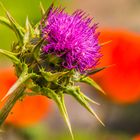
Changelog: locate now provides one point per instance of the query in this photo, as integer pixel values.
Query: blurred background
(37, 118)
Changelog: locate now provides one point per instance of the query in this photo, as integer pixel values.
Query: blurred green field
(41, 132)
(20, 10)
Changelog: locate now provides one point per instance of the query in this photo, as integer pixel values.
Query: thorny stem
(13, 98)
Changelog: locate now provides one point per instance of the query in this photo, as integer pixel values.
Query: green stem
(13, 98)
(15, 92)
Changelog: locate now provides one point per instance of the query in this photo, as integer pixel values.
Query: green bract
(41, 73)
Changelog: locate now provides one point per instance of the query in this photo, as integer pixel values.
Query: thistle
(51, 56)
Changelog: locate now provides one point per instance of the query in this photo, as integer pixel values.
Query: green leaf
(19, 31)
(52, 76)
(66, 117)
(21, 80)
(91, 82)
(10, 55)
(59, 100)
(45, 16)
(96, 70)
(5, 22)
(36, 49)
(42, 8)
(76, 93)
(33, 87)
(105, 43)
(39, 25)
(29, 31)
(88, 99)
(50, 7)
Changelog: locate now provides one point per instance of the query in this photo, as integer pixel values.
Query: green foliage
(39, 132)
(91, 82)
(82, 99)
(19, 9)
(52, 77)
(11, 55)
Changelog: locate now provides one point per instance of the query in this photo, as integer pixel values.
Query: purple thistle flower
(72, 38)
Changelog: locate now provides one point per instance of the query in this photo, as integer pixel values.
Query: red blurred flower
(121, 82)
(137, 137)
(28, 111)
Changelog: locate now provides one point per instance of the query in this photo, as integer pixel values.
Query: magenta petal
(74, 37)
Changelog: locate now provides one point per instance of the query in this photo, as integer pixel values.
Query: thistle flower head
(46, 54)
(72, 38)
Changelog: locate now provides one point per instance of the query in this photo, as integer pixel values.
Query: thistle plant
(51, 56)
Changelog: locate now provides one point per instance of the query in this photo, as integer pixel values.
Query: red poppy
(121, 82)
(28, 111)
